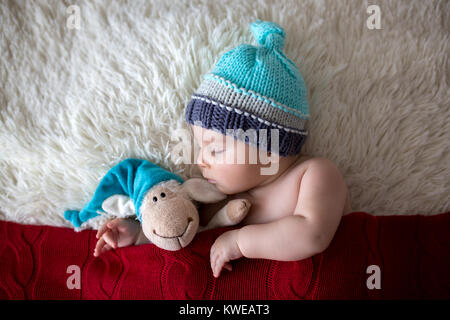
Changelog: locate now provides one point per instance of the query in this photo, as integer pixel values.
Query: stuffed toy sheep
(165, 205)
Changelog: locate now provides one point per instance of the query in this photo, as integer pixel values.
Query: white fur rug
(73, 102)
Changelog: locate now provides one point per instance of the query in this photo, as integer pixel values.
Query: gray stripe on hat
(246, 114)
(246, 103)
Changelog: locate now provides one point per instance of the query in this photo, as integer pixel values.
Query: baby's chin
(221, 188)
(228, 190)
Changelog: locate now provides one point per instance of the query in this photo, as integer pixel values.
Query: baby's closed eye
(215, 149)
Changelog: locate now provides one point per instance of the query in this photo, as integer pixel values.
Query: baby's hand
(224, 249)
(116, 233)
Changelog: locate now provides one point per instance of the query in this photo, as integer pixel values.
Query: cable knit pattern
(411, 251)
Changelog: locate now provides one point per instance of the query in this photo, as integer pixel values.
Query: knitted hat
(254, 87)
(130, 177)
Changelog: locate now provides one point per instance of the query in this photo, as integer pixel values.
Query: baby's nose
(201, 161)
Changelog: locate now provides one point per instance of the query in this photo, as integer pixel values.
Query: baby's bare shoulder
(304, 162)
(321, 184)
(320, 167)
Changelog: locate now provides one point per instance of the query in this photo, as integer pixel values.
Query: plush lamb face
(169, 217)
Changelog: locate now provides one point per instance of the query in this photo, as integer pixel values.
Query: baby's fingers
(111, 238)
(217, 266)
(106, 248)
(114, 223)
(102, 230)
(228, 266)
(99, 246)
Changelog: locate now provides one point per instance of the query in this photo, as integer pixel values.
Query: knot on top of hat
(268, 34)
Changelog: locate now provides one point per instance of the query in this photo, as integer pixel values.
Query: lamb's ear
(201, 190)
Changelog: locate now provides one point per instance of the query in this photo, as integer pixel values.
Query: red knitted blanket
(410, 252)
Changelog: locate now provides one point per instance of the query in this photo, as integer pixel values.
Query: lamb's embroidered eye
(163, 194)
(155, 199)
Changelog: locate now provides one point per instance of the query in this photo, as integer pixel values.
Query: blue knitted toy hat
(255, 87)
(130, 177)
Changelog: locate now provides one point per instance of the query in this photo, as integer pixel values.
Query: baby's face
(221, 161)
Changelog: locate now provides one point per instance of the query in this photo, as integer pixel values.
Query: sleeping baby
(248, 119)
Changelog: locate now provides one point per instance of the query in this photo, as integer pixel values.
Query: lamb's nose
(172, 229)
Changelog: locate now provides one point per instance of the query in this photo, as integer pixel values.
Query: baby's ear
(201, 190)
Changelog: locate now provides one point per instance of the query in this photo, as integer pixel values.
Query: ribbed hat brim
(214, 115)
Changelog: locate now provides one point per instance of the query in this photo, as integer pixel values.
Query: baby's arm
(307, 232)
(311, 228)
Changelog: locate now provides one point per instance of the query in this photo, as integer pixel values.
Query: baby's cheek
(235, 179)
(224, 181)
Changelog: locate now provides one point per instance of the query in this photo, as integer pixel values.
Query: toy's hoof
(237, 210)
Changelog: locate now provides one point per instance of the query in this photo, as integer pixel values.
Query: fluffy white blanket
(75, 101)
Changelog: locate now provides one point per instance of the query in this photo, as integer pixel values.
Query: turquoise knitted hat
(255, 87)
